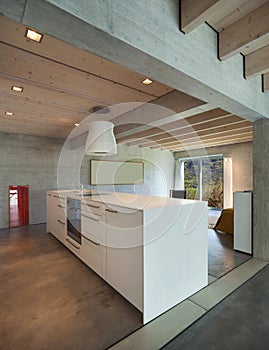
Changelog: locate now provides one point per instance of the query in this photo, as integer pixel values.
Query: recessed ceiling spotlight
(76, 124)
(147, 81)
(9, 113)
(33, 35)
(17, 88)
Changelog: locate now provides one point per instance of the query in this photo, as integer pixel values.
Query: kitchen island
(152, 250)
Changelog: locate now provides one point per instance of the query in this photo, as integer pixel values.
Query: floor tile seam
(232, 290)
(195, 303)
(205, 310)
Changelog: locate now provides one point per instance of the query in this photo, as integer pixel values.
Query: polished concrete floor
(221, 256)
(51, 300)
(241, 321)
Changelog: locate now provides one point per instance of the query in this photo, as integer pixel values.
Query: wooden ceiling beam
(207, 141)
(266, 82)
(211, 131)
(231, 12)
(250, 32)
(195, 12)
(224, 124)
(257, 62)
(200, 118)
(232, 133)
(198, 145)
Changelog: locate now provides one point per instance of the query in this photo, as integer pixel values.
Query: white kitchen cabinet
(93, 231)
(56, 216)
(93, 253)
(125, 253)
(152, 250)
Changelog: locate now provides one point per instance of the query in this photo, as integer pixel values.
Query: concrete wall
(242, 158)
(29, 160)
(158, 169)
(261, 190)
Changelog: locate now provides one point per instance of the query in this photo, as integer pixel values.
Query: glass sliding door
(203, 179)
(212, 182)
(191, 179)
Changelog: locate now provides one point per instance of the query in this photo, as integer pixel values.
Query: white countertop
(132, 201)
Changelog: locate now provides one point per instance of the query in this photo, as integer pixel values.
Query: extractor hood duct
(101, 140)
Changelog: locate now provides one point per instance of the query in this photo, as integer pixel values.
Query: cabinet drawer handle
(49, 194)
(93, 206)
(60, 206)
(60, 222)
(112, 211)
(72, 244)
(88, 239)
(89, 217)
(55, 196)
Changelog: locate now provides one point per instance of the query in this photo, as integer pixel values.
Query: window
(202, 179)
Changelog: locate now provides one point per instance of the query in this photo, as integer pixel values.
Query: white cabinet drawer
(93, 253)
(93, 225)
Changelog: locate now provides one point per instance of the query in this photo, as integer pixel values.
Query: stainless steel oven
(74, 219)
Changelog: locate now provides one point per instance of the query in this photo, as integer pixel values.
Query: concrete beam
(144, 36)
(261, 190)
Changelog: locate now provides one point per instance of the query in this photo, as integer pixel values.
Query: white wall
(242, 159)
(31, 160)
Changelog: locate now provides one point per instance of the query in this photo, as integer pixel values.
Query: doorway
(18, 206)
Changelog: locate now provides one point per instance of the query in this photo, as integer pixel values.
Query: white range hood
(101, 140)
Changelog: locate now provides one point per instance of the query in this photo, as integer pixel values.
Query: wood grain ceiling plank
(38, 94)
(257, 62)
(55, 75)
(224, 123)
(212, 144)
(181, 123)
(34, 128)
(208, 141)
(266, 82)
(36, 108)
(250, 32)
(28, 118)
(231, 12)
(53, 49)
(195, 12)
(191, 138)
(174, 102)
(191, 133)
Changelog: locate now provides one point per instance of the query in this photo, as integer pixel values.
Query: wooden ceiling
(61, 85)
(242, 26)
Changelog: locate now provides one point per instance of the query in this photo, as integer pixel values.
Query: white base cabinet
(56, 216)
(155, 256)
(125, 253)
